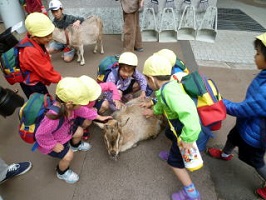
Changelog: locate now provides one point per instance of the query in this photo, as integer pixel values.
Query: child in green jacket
(181, 112)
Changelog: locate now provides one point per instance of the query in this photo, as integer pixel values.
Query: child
(102, 104)
(127, 78)
(35, 60)
(63, 142)
(182, 113)
(249, 131)
(62, 21)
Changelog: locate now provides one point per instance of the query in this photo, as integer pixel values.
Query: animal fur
(128, 127)
(89, 32)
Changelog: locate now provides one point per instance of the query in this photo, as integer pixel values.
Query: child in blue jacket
(249, 132)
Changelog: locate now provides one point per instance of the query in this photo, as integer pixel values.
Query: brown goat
(89, 32)
(128, 127)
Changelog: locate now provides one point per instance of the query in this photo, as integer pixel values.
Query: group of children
(79, 101)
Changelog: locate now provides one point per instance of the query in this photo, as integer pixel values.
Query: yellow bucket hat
(79, 90)
(157, 65)
(262, 38)
(169, 54)
(38, 24)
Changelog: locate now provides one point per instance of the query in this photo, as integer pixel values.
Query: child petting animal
(72, 96)
(62, 21)
(127, 78)
(181, 112)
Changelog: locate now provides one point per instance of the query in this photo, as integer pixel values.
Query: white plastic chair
(187, 25)
(149, 30)
(207, 30)
(168, 27)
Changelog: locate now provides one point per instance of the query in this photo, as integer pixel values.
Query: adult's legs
(129, 31)
(138, 38)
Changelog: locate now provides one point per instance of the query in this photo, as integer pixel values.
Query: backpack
(9, 64)
(31, 114)
(206, 97)
(179, 67)
(106, 66)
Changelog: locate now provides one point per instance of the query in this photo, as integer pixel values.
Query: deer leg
(101, 45)
(82, 61)
(95, 48)
(78, 54)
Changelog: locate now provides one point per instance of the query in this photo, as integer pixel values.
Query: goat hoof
(102, 52)
(82, 63)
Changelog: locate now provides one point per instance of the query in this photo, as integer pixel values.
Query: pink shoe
(182, 195)
(164, 155)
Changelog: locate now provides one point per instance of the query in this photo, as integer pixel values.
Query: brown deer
(89, 32)
(128, 127)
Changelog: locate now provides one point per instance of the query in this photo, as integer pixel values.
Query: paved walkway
(232, 49)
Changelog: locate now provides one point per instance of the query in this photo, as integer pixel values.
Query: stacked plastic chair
(168, 27)
(149, 30)
(207, 30)
(187, 25)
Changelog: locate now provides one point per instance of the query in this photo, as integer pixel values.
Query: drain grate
(235, 19)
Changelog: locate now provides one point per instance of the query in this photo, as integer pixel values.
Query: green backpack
(106, 66)
(32, 113)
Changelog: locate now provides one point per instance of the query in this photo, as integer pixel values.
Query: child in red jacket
(34, 60)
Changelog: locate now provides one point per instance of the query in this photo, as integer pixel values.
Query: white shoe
(84, 146)
(69, 176)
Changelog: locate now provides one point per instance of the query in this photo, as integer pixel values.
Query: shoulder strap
(163, 98)
(26, 44)
(61, 119)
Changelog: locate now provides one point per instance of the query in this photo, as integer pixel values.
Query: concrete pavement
(138, 174)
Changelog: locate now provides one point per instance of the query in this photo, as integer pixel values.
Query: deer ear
(99, 124)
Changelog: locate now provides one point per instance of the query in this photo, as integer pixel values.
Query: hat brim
(54, 8)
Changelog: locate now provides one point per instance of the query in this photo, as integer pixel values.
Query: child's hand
(148, 113)
(103, 118)
(146, 104)
(118, 104)
(58, 148)
(142, 95)
(76, 24)
(186, 146)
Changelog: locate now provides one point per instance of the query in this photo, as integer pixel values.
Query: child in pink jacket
(72, 97)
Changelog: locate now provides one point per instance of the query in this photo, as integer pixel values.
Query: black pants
(29, 89)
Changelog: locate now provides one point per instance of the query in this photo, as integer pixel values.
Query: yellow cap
(128, 58)
(262, 38)
(38, 24)
(169, 54)
(157, 65)
(79, 90)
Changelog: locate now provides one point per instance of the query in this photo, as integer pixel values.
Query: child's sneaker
(69, 176)
(17, 169)
(164, 155)
(182, 195)
(217, 153)
(84, 146)
(261, 192)
(86, 134)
